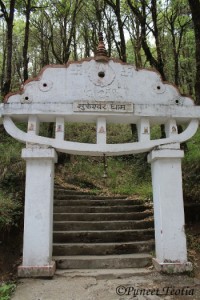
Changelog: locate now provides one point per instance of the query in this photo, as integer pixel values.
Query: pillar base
(173, 267)
(37, 271)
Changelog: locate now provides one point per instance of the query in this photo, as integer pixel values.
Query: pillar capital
(162, 153)
(39, 153)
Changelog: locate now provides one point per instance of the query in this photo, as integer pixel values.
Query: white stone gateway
(101, 90)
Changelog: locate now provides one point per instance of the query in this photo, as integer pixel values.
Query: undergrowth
(191, 170)
(10, 211)
(6, 290)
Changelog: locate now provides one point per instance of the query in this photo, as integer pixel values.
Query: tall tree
(116, 6)
(29, 6)
(141, 12)
(195, 9)
(26, 38)
(62, 21)
(178, 19)
(9, 18)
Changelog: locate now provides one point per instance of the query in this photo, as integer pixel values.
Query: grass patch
(6, 290)
(129, 175)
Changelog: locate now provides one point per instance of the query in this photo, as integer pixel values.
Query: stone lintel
(172, 267)
(37, 271)
(165, 153)
(39, 153)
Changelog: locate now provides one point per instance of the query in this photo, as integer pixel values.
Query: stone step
(59, 191)
(101, 232)
(113, 236)
(84, 202)
(102, 248)
(100, 209)
(101, 216)
(61, 196)
(103, 262)
(102, 225)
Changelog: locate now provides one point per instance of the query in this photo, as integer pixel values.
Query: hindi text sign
(103, 106)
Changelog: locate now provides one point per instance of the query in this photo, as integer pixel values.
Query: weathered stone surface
(101, 209)
(172, 267)
(104, 261)
(102, 248)
(100, 284)
(102, 225)
(100, 216)
(37, 271)
(96, 230)
(102, 236)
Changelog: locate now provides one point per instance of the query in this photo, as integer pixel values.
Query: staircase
(95, 232)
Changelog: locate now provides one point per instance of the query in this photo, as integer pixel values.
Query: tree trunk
(142, 18)
(157, 38)
(9, 20)
(26, 40)
(3, 60)
(117, 10)
(195, 9)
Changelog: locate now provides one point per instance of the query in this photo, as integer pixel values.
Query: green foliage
(127, 175)
(6, 290)
(12, 167)
(10, 211)
(191, 170)
(81, 132)
(119, 133)
(12, 170)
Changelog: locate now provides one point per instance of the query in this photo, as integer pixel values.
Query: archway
(101, 90)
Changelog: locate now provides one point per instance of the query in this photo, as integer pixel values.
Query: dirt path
(109, 285)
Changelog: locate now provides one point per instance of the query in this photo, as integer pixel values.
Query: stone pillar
(170, 238)
(38, 220)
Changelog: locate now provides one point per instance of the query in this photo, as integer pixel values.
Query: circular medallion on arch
(159, 87)
(101, 74)
(45, 85)
(177, 101)
(26, 99)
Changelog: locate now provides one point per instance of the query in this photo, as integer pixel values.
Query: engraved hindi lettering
(106, 106)
(81, 106)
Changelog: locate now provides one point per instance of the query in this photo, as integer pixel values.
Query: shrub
(6, 289)
(10, 212)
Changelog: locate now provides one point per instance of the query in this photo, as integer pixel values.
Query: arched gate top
(101, 90)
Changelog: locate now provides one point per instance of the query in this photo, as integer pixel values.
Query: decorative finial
(101, 54)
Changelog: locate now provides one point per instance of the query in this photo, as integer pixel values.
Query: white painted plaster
(33, 125)
(168, 205)
(76, 93)
(60, 128)
(101, 131)
(143, 127)
(38, 221)
(80, 81)
(99, 149)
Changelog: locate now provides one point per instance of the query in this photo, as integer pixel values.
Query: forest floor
(89, 285)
